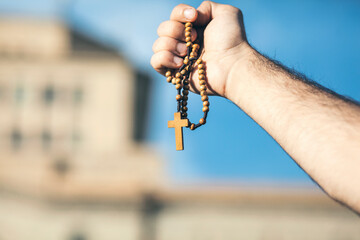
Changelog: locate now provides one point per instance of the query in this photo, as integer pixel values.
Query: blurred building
(73, 165)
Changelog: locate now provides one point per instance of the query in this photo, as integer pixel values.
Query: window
(16, 138)
(19, 94)
(78, 95)
(46, 139)
(49, 94)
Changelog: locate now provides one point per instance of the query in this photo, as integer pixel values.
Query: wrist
(236, 80)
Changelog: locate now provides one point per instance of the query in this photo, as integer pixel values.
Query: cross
(178, 124)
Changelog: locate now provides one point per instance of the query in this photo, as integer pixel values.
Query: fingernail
(177, 60)
(189, 13)
(181, 48)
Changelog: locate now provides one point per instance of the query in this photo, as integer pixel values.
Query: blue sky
(319, 38)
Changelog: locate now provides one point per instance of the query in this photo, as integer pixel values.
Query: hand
(220, 30)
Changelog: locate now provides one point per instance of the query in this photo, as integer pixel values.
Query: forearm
(318, 129)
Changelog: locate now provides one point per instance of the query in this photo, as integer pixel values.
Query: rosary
(181, 81)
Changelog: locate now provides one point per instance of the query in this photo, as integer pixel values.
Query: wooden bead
(188, 24)
(188, 44)
(202, 82)
(178, 97)
(201, 66)
(192, 126)
(186, 82)
(168, 74)
(201, 76)
(187, 39)
(185, 92)
(169, 79)
(188, 29)
(203, 93)
(186, 61)
(184, 115)
(187, 34)
(204, 98)
(199, 61)
(201, 71)
(173, 81)
(177, 80)
(183, 72)
(184, 103)
(184, 108)
(186, 87)
(178, 86)
(202, 121)
(202, 87)
(185, 98)
(205, 109)
(206, 103)
(177, 75)
(196, 46)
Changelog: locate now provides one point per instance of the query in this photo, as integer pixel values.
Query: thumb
(206, 12)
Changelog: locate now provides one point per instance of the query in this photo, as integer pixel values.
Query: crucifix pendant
(178, 124)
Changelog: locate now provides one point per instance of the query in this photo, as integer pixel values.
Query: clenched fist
(220, 31)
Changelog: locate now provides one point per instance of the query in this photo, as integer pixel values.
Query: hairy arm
(318, 128)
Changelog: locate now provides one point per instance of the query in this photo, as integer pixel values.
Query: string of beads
(180, 79)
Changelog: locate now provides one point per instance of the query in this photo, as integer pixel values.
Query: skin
(318, 128)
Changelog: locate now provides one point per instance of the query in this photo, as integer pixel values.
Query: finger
(169, 44)
(175, 30)
(163, 60)
(183, 13)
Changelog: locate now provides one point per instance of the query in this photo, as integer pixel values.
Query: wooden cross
(178, 124)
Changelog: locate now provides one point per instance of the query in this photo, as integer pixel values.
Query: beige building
(73, 165)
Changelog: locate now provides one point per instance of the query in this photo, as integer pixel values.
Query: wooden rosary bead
(188, 34)
(184, 115)
(201, 71)
(186, 61)
(178, 86)
(185, 92)
(192, 126)
(201, 66)
(205, 109)
(173, 81)
(187, 39)
(188, 29)
(204, 98)
(185, 98)
(202, 121)
(168, 74)
(177, 75)
(186, 82)
(188, 44)
(196, 46)
(184, 103)
(199, 61)
(184, 108)
(177, 80)
(178, 97)
(202, 87)
(186, 87)
(188, 24)
(202, 82)
(206, 103)
(203, 93)
(183, 72)
(201, 76)
(168, 79)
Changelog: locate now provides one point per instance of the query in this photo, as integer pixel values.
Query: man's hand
(220, 30)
